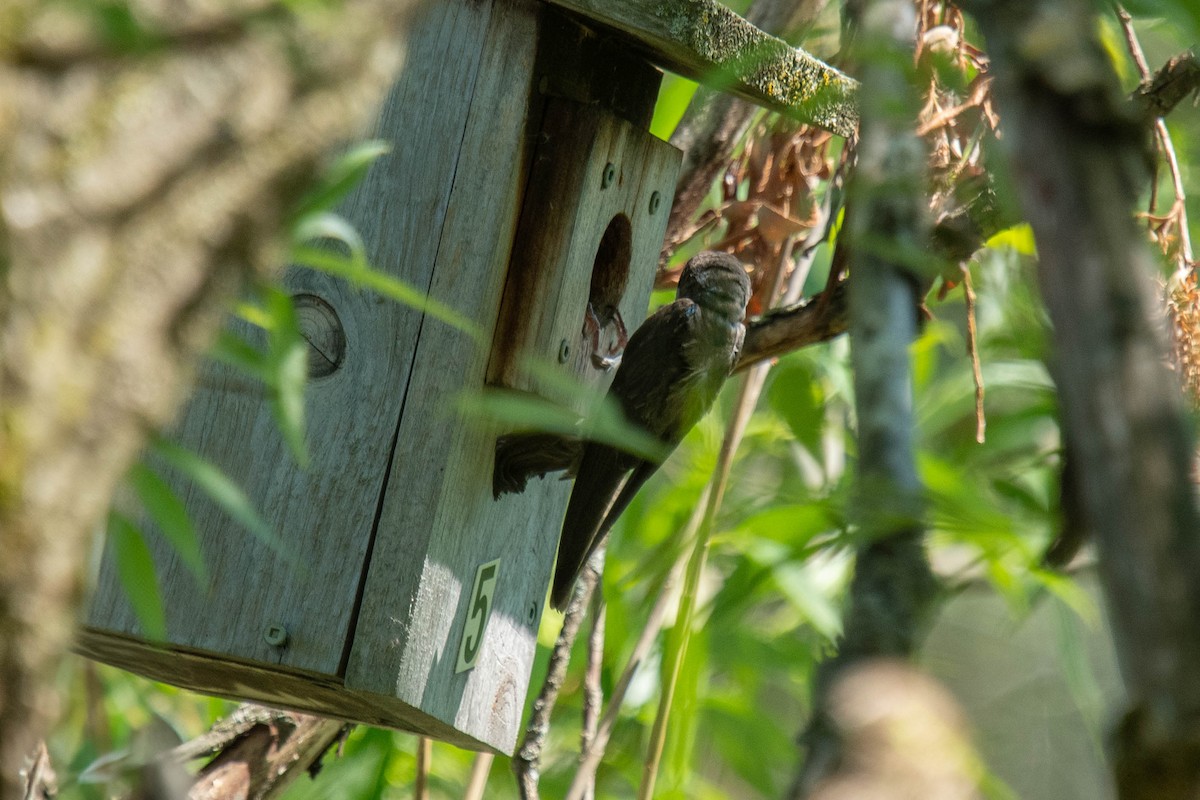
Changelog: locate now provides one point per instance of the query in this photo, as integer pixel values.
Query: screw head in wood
(564, 351)
(532, 612)
(276, 635)
(610, 174)
(655, 202)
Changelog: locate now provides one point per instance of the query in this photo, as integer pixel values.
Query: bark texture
(259, 752)
(145, 179)
(1080, 155)
(893, 587)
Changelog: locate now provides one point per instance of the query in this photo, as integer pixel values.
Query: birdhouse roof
(709, 43)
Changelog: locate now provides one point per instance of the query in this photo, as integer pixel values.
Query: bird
(669, 376)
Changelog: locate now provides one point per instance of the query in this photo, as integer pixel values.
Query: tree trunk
(1080, 157)
(145, 180)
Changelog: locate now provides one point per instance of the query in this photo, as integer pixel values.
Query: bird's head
(716, 282)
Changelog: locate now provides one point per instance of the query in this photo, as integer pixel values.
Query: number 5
(478, 610)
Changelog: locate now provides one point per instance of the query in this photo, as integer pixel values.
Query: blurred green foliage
(779, 563)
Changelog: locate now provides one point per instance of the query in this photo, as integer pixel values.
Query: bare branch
(267, 758)
(424, 762)
(477, 782)
(593, 693)
(40, 781)
(1175, 81)
(526, 763)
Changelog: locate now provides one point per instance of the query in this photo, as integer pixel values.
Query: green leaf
(1070, 593)
(282, 367)
(225, 493)
(798, 587)
(359, 273)
(605, 421)
(964, 507)
(685, 712)
(673, 99)
(255, 314)
(169, 514)
(528, 412)
(927, 352)
(122, 30)
(753, 743)
(135, 566)
(233, 350)
(797, 396)
(287, 364)
(341, 177)
(333, 227)
(1018, 238)
(791, 525)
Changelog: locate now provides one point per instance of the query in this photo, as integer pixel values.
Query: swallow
(669, 376)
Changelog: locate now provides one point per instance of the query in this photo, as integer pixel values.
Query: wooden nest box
(522, 186)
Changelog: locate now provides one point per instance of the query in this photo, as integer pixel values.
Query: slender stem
(527, 761)
(477, 782)
(1131, 41)
(424, 758)
(1178, 210)
(590, 758)
(973, 352)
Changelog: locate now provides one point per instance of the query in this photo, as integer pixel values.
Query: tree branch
(264, 759)
(526, 763)
(1176, 80)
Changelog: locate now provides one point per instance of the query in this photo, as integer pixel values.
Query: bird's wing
(653, 366)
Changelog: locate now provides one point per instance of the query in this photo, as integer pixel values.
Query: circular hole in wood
(322, 329)
(610, 272)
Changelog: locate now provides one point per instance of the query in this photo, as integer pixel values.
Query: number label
(479, 609)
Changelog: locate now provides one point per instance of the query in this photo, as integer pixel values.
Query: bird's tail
(602, 472)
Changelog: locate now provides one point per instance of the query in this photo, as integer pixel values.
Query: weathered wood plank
(570, 205)
(315, 693)
(439, 521)
(707, 42)
(324, 513)
(428, 545)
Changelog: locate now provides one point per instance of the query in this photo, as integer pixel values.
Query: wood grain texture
(439, 520)
(433, 530)
(278, 687)
(567, 211)
(324, 514)
(576, 63)
(707, 42)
